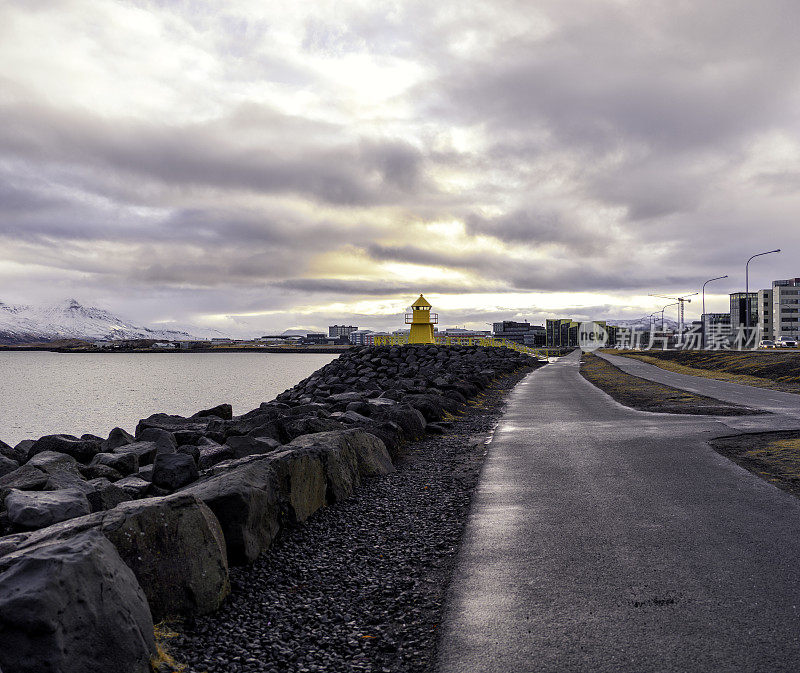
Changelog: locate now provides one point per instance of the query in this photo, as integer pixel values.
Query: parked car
(766, 343)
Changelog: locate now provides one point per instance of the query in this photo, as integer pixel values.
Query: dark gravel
(361, 585)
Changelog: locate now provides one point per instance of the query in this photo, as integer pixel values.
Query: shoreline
(117, 514)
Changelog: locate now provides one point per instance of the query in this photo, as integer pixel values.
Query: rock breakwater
(181, 499)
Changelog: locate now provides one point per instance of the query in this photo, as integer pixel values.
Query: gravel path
(361, 585)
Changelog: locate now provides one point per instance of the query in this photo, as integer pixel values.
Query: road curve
(759, 398)
(607, 539)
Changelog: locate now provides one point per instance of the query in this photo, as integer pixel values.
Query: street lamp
(662, 312)
(747, 283)
(702, 317)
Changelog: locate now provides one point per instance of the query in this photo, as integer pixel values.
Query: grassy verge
(770, 370)
(644, 395)
(773, 456)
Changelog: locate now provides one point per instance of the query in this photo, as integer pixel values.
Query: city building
(536, 337)
(336, 331)
(766, 327)
(739, 302)
(315, 338)
(561, 333)
(359, 337)
(785, 309)
(517, 331)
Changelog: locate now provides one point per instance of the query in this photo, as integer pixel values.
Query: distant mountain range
(71, 320)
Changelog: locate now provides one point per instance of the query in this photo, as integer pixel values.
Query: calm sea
(75, 393)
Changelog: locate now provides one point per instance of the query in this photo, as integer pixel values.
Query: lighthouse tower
(421, 322)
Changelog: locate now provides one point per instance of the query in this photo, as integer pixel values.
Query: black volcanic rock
(223, 411)
(7, 465)
(37, 509)
(73, 606)
(173, 470)
(117, 437)
(18, 454)
(82, 450)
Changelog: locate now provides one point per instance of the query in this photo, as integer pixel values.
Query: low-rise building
(359, 337)
(518, 332)
(336, 331)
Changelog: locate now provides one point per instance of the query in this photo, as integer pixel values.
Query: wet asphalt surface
(606, 539)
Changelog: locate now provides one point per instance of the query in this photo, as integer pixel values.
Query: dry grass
(645, 395)
(163, 660)
(773, 456)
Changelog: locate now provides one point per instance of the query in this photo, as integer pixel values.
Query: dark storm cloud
(554, 274)
(425, 256)
(536, 228)
(262, 152)
(336, 286)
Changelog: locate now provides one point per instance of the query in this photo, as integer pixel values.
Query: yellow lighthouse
(421, 322)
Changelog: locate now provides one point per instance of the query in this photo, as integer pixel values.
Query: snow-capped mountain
(644, 324)
(71, 320)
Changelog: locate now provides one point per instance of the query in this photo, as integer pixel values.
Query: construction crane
(680, 301)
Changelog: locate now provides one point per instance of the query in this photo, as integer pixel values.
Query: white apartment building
(783, 302)
(360, 337)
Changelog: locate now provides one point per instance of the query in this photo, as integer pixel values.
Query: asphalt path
(760, 398)
(607, 539)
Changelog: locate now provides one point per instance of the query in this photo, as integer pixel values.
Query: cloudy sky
(261, 165)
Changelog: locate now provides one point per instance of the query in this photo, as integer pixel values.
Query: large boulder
(145, 452)
(212, 454)
(63, 471)
(106, 495)
(304, 426)
(410, 420)
(71, 607)
(18, 454)
(246, 445)
(117, 437)
(432, 407)
(301, 481)
(134, 485)
(176, 548)
(243, 497)
(173, 544)
(125, 463)
(164, 440)
(173, 470)
(83, 450)
(373, 458)
(100, 472)
(38, 509)
(25, 478)
(223, 411)
(171, 423)
(7, 465)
